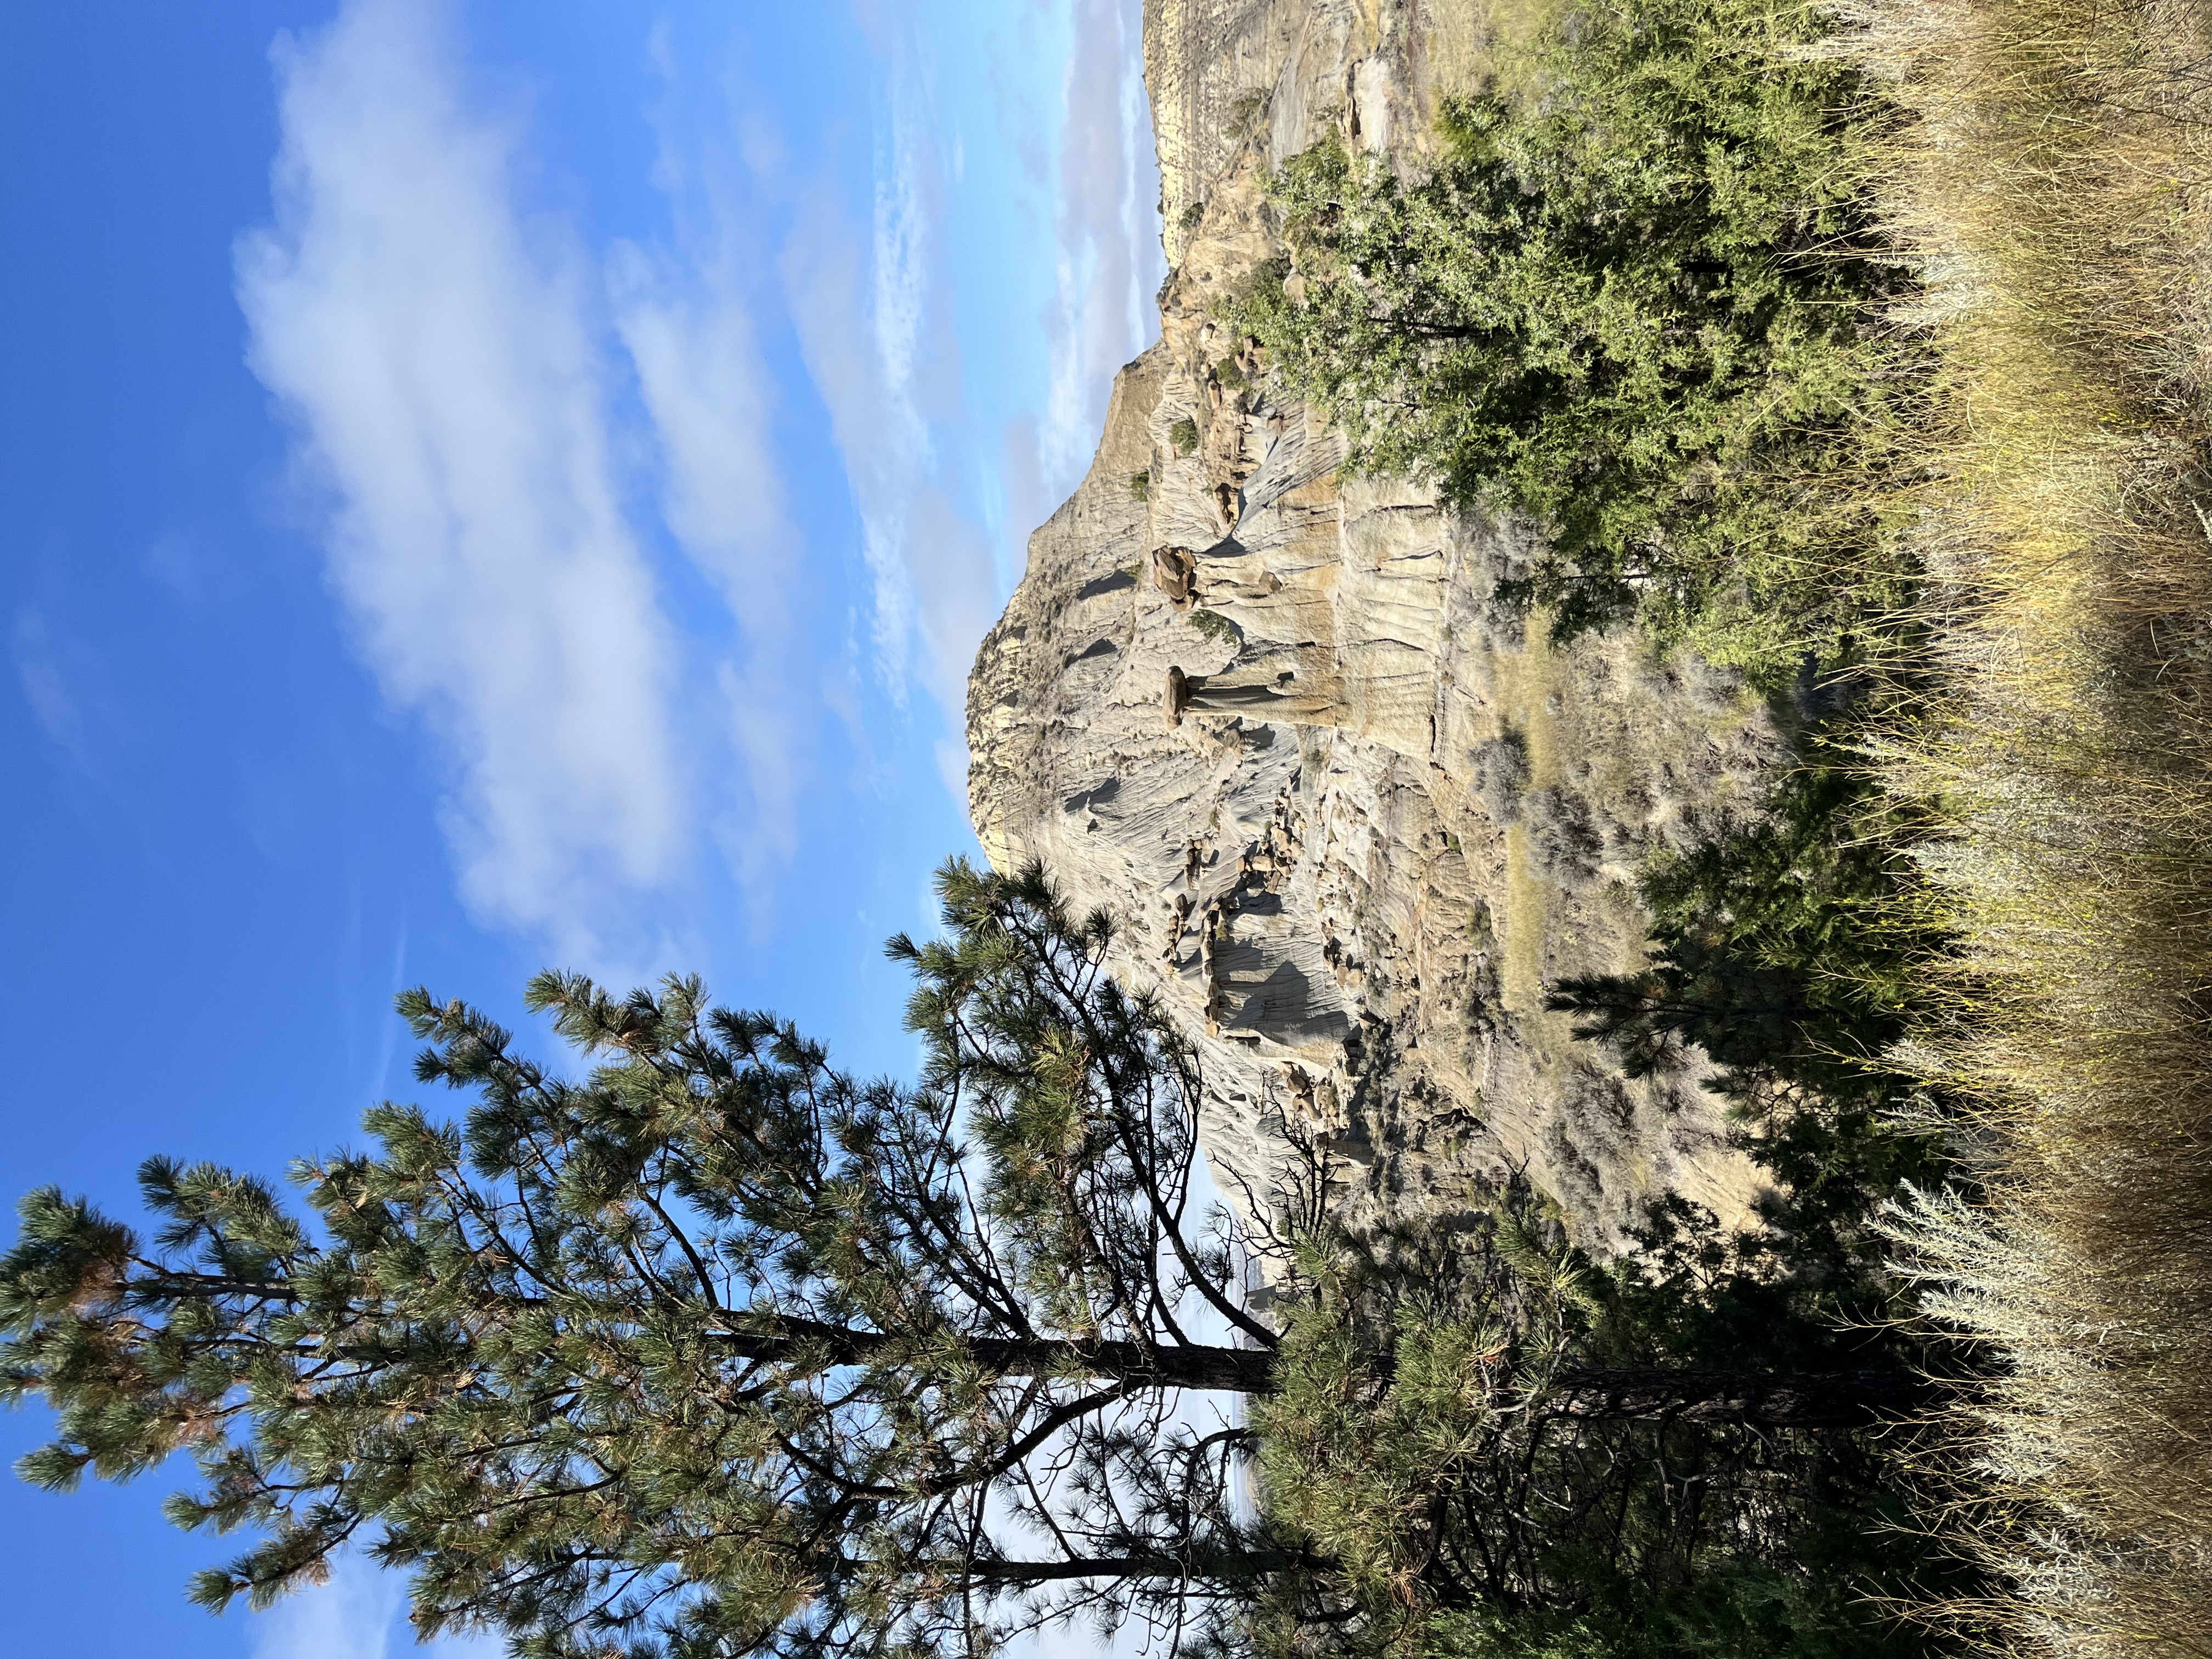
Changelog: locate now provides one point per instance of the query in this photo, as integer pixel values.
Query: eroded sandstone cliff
(1357, 817)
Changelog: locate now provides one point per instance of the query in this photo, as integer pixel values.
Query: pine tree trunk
(1227, 1370)
(1215, 1565)
(1778, 1400)
(1774, 1400)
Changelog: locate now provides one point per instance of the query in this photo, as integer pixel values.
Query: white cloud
(436, 355)
(865, 326)
(349, 1617)
(1110, 264)
(711, 400)
(901, 251)
(874, 328)
(67, 691)
(357, 1614)
(444, 359)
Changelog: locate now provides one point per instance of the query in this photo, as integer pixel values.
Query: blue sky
(488, 484)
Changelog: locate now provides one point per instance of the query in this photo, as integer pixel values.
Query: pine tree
(717, 1351)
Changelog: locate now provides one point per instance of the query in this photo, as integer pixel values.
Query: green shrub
(1217, 627)
(1182, 436)
(1140, 485)
(1785, 946)
(1639, 309)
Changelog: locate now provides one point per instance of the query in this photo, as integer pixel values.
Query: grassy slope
(2057, 185)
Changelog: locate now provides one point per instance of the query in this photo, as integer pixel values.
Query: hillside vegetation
(1872, 340)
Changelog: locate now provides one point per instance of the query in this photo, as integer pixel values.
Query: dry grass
(2056, 187)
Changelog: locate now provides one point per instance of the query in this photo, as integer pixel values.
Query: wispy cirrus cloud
(1108, 264)
(67, 688)
(878, 351)
(687, 324)
(873, 318)
(436, 355)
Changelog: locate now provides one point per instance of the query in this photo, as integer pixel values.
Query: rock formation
(1356, 815)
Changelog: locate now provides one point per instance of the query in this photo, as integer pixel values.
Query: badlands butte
(1356, 815)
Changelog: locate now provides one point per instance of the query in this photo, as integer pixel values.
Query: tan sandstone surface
(1356, 816)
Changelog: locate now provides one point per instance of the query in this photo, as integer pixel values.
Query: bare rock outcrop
(1356, 816)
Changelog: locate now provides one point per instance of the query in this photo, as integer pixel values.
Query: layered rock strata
(1356, 816)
